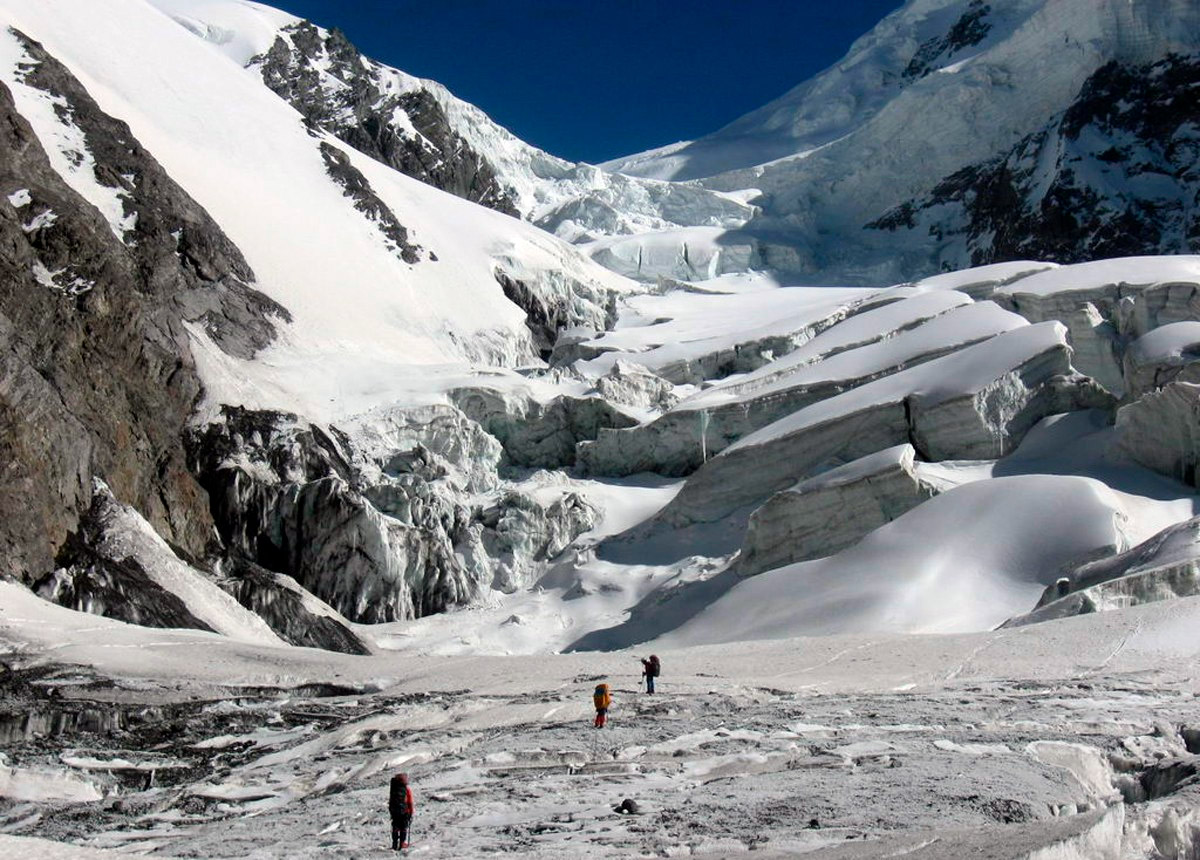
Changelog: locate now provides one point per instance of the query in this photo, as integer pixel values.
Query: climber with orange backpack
(602, 699)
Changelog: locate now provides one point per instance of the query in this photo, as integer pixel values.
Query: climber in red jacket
(400, 805)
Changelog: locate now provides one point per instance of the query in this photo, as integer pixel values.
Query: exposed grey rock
(295, 615)
(970, 29)
(96, 373)
(355, 186)
(1113, 175)
(1159, 431)
(535, 434)
(829, 512)
(338, 90)
(1164, 567)
(982, 408)
(116, 566)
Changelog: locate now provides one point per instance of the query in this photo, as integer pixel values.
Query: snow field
(793, 745)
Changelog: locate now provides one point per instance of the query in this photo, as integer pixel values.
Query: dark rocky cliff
(1116, 174)
(96, 373)
(336, 89)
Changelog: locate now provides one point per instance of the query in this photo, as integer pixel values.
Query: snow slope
(362, 317)
(573, 200)
(938, 569)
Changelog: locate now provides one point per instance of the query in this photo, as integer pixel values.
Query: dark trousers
(400, 831)
(649, 683)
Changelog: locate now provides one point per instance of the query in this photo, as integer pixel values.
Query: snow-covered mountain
(954, 118)
(421, 129)
(398, 400)
(301, 429)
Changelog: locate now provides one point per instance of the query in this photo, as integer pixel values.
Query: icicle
(704, 435)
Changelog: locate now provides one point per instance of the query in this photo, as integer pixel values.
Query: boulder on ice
(117, 566)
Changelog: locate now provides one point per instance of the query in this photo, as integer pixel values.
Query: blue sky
(595, 80)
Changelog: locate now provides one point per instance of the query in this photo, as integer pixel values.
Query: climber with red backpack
(651, 669)
(602, 699)
(400, 805)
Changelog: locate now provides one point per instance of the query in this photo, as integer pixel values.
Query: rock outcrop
(557, 303)
(96, 372)
(1111, 176)
(115, 565)
(339, 91)
(296, 616)
(1159, 431)
(833, 510)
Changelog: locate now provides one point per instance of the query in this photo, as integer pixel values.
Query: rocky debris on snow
(295, 615)
(1159, 431)
(1164, 355)
(833, 510)
(681, 440)
(1165, 567)
(355, 186)
(321, 74)
(117, 566)
(96, 369)
(973, 404)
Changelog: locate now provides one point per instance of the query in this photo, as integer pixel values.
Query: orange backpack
(602, 698)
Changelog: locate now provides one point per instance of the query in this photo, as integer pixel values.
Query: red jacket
(400, 799)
